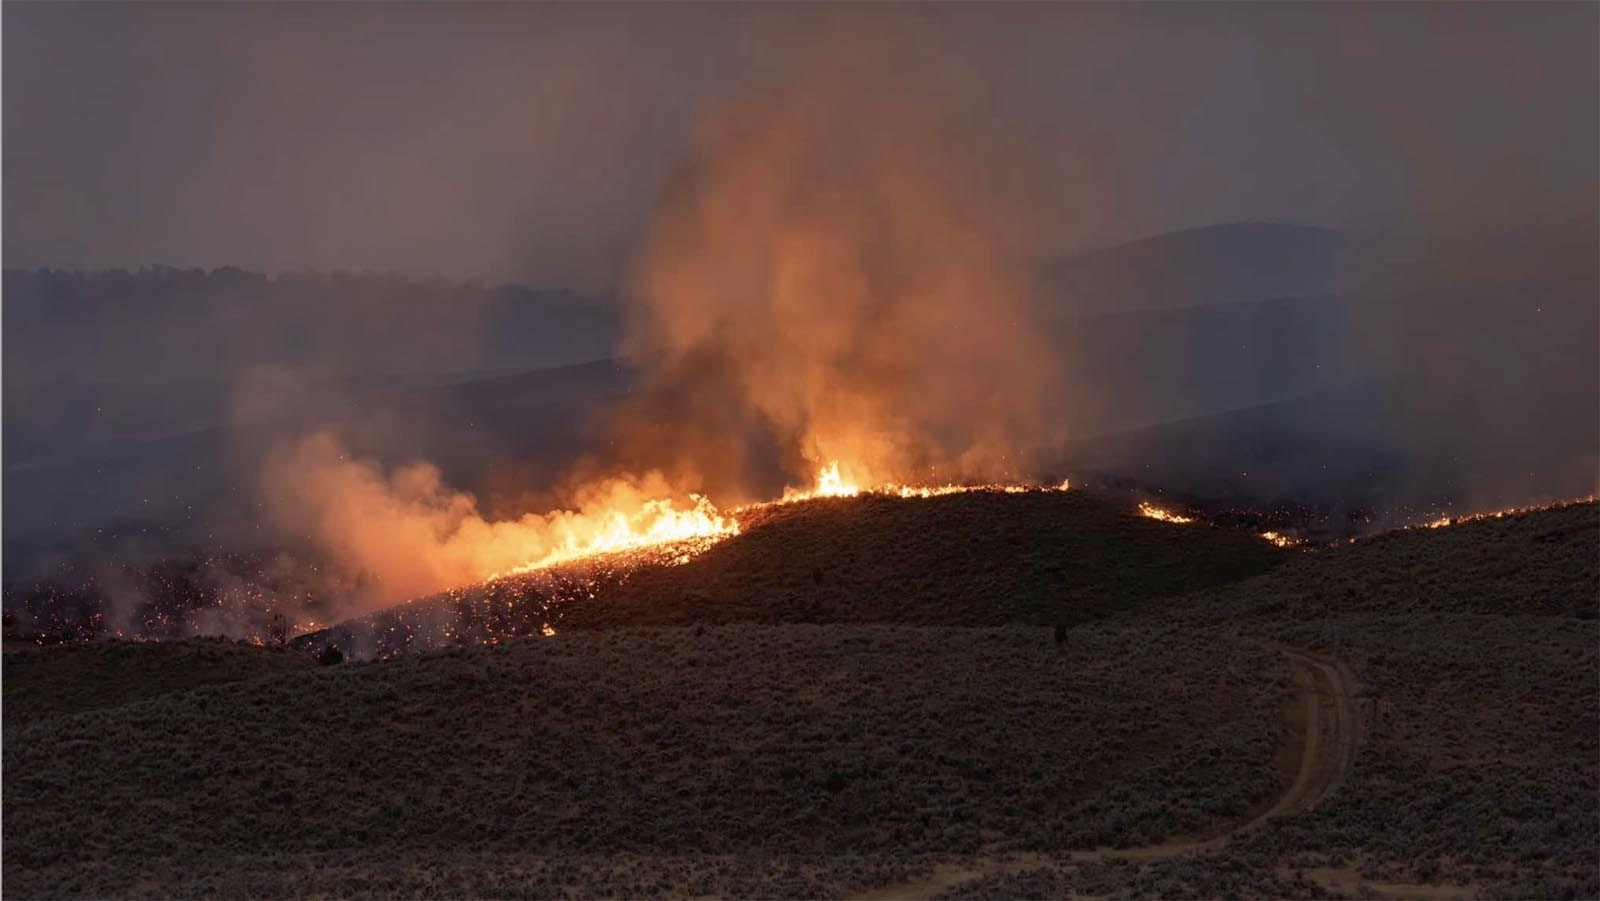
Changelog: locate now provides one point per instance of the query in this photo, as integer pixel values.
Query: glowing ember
(1279, 539)
(1448, 520)
(1155, 512)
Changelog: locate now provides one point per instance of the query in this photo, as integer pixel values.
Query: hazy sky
(531, 142)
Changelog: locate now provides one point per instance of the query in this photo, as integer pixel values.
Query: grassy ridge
(981, 558)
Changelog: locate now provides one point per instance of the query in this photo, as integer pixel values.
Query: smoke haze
(844, 263)
(898, 240)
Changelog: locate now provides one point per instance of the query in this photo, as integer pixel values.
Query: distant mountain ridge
(1214, 264)
(1221, 360)
(174, 325)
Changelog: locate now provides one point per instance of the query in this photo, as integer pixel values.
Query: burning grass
(973, 557)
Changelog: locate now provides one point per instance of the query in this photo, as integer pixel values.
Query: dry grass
(1479, 654)
(760, 742)
(1205, 876)
(781, 759)
(43, 682)
(982, 558)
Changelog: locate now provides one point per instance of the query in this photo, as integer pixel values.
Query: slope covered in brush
(966, 559)
(671, 761)
(44, 682)
(979, 558)
(1476, 647)
(819, 759)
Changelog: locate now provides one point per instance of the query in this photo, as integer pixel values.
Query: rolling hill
(1152, 753)
(976, 558)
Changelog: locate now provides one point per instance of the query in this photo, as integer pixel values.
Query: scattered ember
(1455, 520)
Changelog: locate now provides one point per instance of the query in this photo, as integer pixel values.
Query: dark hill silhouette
(844, 757)
(979, 558)
(1225, 263)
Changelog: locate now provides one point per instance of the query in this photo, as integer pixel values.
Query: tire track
(1330, 732)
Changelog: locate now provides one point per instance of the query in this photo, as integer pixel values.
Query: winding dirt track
(1328, 726)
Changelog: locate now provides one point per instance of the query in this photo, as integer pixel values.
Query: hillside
(1336, 725)
(978, 558)
(45, 682)
(842, 753)
(1478, 652)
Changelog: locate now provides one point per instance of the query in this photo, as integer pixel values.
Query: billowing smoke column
(839, 275)
(836, 279)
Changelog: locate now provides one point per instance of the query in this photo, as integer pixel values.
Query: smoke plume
(837, 274)
(840, 271)
(405, 533)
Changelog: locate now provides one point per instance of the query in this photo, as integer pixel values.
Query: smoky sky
(532, 142)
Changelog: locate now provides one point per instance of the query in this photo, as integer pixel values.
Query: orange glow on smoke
(406, 534)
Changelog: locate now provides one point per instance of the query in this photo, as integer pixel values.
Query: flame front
(830, 483)
(404, 533)
(1280, 539)
(1458, 519)
(1154, 512)
(656, 523)
(674, 536)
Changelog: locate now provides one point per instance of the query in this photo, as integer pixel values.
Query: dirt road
(1327, 726)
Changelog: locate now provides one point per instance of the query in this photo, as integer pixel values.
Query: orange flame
(656, 523)
(1280, 539)
(409, 534)
(1455, 520)
(830, 483)
(1154, 512)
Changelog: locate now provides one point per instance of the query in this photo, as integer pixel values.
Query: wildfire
(1450, 520)
(659, 532)
(1279, 539)
(1154, 512)
(657, 524)
(830, 483)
